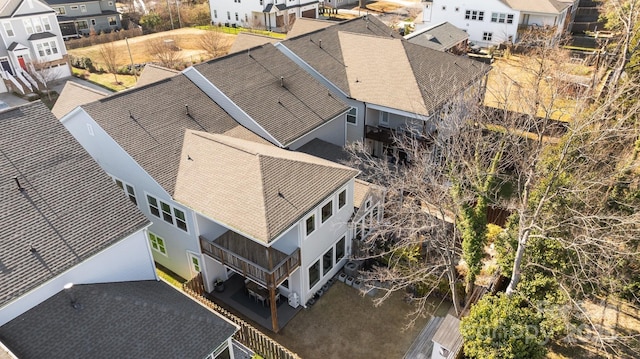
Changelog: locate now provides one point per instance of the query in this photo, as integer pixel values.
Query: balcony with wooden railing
(265, 265)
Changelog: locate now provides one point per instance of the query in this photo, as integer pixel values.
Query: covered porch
(264, 265)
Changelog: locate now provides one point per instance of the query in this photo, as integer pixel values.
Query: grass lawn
(343, 324)
(106, 80)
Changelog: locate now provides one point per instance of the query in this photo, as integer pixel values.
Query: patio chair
(261, 299)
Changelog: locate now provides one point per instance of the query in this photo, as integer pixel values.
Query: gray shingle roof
(74, 95)
(252, 80)
(441, 37)
(146, 319)
(327, 57)
(40, 36)
(154, 138)
(69, 209)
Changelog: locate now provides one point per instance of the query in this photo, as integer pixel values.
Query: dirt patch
(343, 324)
(186, 39)
(382, 6)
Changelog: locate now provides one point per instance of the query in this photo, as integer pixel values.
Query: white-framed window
(342, 198)
(127, 188)
(261, 2)
(157, 243)
(352, 116)
(310, 224)
(474, 15)
(167, 212)
(60, 10)
(8, 28)
(28, 26)
(237, 18)
(367, 204)
(340, 248)
(82, 24)
(501, 18)
(327, 261)
(194, 262)
(47, 48)
(112, 21)
(215, 13)
(93, 22)
(37, 25)
(326, 211)
(487, 36)
(384, 119)
(46, 24)
(73, 7)
(228, 15)
(314, 274)
(83, 8)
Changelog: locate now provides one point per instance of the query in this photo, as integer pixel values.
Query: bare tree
(42, 72)
(164, 51)
(110, 56)
(214, 43)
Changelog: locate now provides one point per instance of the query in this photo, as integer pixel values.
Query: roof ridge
(71, 83)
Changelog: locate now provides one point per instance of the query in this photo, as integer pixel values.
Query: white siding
(127, 260)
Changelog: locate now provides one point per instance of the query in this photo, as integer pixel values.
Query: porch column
(271, 283)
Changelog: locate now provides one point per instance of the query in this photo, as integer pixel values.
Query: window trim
(384, 120)
(316, 262)
(73, 7)
(342, 239)
(344, 190)
(8, 24)
(354, 116)
(315, 224)
(124, 186)
(164, 215)
(322, 219)
(157, 238)
(333, 261)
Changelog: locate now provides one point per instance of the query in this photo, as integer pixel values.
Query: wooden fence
(247, 335)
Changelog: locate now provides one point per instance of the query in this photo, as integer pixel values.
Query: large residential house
(79, 17)
(274, 15)
(390, 84)
(31, 45)
(76, 272)
(491, 22)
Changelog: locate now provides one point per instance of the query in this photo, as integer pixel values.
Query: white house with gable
(275, 15)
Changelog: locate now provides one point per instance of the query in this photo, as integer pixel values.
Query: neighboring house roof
(326, 150)
(274, 91)
(41, 35)
(440, 37)
(8, 7)
(67, 2)
(247, 40)
(68, 211)
(145, 319)
(14, 45)
(255, 189)
(448, 335)
(154, 73)
(361, 191)
(149, 122)
(305, 25)
(538, 6)
(355, 56)
(74, 95)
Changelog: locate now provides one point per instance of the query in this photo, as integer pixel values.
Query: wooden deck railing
(247, 334)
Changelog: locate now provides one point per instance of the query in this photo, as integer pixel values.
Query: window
(246, 18)
(73, 7)
(352, 116)
(342, 198)
(93, 22)
(237, 17)
(47, 48)
(384, 118)
(37, 25)
(215, 14)
(310, 224)
(83, 8)
(127, 188)
(474, 15)
(112, 21)
(502, 18)
(60, 10)
(327, 261)
(153, 206)
(261, 2)
(181, 220)
(8, 29)
(166, 212)
(314, 274)
(340, 249)
(327, 211)
(82, 24)
(358, 235)
(157, 243)
(228, 15)
(367, 204)
(486, 36)
(46, 23)
(28, 26)
(195, 263)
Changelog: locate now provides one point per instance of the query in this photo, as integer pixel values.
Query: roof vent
(186, 107)
(20, 188)
(72, 299)
(32, 249)
(320, 43)
(281, 81)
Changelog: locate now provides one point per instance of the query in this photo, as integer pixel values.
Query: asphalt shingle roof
(146, 319)
(441, 37)
(149, 123)
(279, 95)
(355, 56)
(74, 95)
(68, 211)
(256, 189)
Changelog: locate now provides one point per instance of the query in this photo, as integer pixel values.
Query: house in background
(31, 45)
(441, 37)
(491, 22)
(79, 17)
(76, 273)
(405, 92)
(272, 15)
